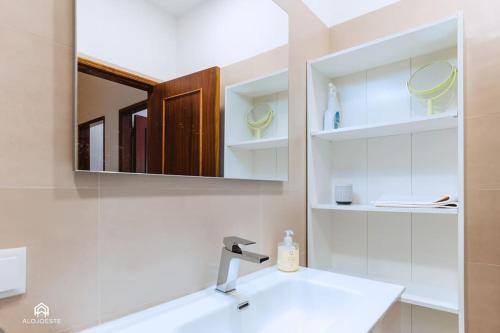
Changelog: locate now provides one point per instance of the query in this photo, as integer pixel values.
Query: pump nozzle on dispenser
(288, 240)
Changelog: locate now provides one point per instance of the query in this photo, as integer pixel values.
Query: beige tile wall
(482, 139)
(100, 247)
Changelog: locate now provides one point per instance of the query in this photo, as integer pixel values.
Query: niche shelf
(261, 144)
(414, 125)
(371, 208)
(246, 157)
(388, 145)
(431, 297)
(428, 296)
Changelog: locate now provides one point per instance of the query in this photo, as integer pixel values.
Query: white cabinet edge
(12, 272)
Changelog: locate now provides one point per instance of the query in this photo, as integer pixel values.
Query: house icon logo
(41, 314)
(41, 311)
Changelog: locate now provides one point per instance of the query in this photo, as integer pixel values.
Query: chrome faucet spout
(253, 257)
(231, 255)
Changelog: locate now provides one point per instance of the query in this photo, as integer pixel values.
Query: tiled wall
(482, 135)
(100, 247)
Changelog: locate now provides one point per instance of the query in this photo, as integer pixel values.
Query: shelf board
(371, 208)
(437, 298)
(404, 45)
(262, 86)
(415, 125)
(431, 297)
(268, 143)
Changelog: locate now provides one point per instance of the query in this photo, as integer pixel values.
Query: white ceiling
(333, 12)
(177, 7)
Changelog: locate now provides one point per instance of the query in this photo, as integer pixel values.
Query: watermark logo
(41, 311)
(41, 314)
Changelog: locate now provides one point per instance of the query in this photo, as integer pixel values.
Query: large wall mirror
(182, 87)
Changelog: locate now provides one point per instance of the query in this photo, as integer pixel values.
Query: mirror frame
(222, 117)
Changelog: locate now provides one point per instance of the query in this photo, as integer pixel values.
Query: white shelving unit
(246, 157)
(389, 146)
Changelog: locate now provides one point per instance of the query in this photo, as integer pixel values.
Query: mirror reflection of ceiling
(177, 7)
(183, 36)
(333, 12)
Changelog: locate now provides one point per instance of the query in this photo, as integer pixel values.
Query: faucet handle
(231, 243)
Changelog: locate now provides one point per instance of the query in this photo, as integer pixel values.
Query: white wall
(333, 12)
(223, 32)
(134, 34)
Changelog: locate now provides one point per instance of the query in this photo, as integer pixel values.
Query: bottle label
(288, 259)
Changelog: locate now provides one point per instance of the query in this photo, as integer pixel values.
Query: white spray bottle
(332, 117)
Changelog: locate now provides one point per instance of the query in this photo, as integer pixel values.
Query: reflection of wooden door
(182, 134)
(140, 135)
(125, 144)
(127, 132)
(183, 125)
(89, 159)
(83, 147)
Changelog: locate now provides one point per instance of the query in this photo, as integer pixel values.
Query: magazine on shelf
(445, 201)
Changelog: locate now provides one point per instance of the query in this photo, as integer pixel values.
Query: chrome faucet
(230, 262)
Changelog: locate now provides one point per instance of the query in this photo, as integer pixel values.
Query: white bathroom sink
(306, 301)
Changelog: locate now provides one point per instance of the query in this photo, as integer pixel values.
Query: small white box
(12, 272)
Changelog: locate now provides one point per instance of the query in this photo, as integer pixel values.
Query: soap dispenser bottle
(288, 254)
